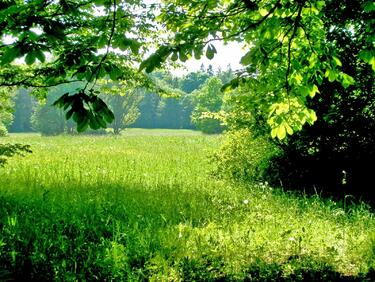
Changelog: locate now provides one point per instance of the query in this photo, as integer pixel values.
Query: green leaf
(134, 46)
(281, 133)
(372, 63)
(10, 55)
(210, 52)
(182, 56)
(263, 12)
(102, 41)
(88, 74)
(246, 59)
(313, 60)
(337, 61)
(311, 117)
(114, 73)
(368, 57)
(365, 55)
(331, 75)
(289, 130)
(155, 60)
(40, 56)
(69, 114)
(30, 58)
(346, 80)
(369, 6)
(82, 124)
(174, 57)
(313, 90)
(32, 36)
(198, 51)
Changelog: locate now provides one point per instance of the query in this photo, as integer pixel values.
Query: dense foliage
(290, 52)
(207, 100)
(6, 109)
(132, 106)
(333, 154)
(288, 47)
(24, 104)
(64, 41)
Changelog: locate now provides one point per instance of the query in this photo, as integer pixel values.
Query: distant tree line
(198, 94)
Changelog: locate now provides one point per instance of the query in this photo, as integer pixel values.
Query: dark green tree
(47, 119)
(170, 113)
(23, 109)
(123, 101)
(6, 109)
(208, 100)
(334, 154)
(148, 111)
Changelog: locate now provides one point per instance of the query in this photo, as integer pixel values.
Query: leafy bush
(6, 109)
(336, 153)
(208, 100)
(243, 156)
(3, 130)
(206, 124)
(333, 154)
(48, 120)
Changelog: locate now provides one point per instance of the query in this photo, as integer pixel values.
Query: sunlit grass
(141, 206)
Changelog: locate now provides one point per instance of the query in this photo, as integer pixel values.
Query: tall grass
(142, 207)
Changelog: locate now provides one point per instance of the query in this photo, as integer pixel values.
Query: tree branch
(96, 72)
(30, 84)
(296, 24)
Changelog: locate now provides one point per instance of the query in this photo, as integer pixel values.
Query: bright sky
(226, 54)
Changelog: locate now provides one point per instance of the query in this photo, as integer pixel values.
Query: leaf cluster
(85, 109)
(10, 150)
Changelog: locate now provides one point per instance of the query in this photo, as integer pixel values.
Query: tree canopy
(289, 51)
(64, 41)
(288, 55)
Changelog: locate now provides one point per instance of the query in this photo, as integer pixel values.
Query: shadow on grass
(304, 269)
(105, 236)
(112, 234)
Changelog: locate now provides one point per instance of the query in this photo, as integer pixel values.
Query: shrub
(3, 130)
(243, 156)
(48, 120)
(336, 154)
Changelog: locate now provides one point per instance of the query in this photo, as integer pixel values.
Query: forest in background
(140, 109)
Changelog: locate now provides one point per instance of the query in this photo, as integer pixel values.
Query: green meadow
(143, 207)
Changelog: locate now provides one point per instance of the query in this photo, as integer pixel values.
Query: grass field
(143, 207)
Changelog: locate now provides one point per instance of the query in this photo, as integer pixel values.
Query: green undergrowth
(141, 207)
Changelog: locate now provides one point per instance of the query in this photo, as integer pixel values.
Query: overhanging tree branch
(296, 24)
(96, 72)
